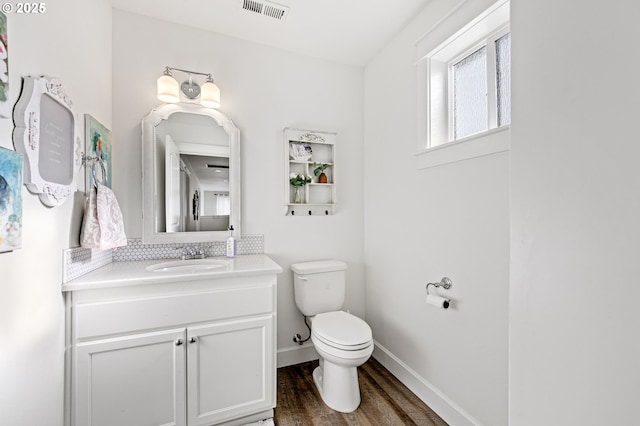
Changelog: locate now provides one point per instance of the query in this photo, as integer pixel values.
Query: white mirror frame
(27, 138)
(149, 187)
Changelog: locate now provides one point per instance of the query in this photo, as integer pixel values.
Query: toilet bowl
(344, 342)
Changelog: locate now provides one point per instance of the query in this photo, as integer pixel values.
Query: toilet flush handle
(303, 278)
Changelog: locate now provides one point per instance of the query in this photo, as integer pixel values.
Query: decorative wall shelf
(303, 151)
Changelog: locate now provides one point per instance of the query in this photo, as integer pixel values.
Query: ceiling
(344, 31)
(211, 171)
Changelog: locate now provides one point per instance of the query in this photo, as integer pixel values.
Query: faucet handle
(190, 252)
(187, 252)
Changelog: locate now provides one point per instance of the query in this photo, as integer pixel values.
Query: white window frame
(489, 42)
(435, 89)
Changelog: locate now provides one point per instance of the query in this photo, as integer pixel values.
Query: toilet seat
(341, 356)
(346, 348)
(342, 330)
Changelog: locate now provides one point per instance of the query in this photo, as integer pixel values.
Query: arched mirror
(191, 175)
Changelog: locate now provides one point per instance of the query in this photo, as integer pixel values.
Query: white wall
(78, 52)
(263, 91)
(575, 209)
(451, 220)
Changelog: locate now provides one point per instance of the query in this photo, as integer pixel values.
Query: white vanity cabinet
(185, 352)
(130, 380)
(228, 368)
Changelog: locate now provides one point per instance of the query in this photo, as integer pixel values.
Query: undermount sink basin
(191, 265)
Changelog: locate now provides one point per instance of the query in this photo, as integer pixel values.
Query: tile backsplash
(80, 261)
(135, 250)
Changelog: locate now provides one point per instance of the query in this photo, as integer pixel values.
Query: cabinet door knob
(179, 342)
(193, 339)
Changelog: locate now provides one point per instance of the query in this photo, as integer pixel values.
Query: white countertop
(118, 274)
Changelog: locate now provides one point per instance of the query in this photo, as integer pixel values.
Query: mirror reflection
(195, 172)
(192, 156)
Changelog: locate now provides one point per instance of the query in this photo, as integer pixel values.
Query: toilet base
(338, 386)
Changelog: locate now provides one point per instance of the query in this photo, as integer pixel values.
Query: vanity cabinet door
(134, 380)
(231, 369)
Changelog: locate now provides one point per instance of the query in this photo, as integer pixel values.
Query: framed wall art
(98, 149)
(5, 105)
(11, 163)
(45, 132)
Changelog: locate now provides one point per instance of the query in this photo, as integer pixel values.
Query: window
(464, 82)
(503, 79)
(480, 85)
(469, 109)
(216, 203)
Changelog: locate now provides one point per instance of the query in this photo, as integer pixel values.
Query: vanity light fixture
(169, 90)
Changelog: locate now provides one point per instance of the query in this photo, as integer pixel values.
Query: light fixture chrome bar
(168, 88)
(208, 75)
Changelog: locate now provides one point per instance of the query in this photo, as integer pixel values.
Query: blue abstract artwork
(98, 141)
(11, 164)
(5, 105)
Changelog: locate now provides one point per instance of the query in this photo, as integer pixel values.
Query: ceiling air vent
(266, 8)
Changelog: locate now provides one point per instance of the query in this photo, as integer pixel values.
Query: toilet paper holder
(445, 283)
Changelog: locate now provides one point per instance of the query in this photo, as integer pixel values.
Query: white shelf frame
(312, 190)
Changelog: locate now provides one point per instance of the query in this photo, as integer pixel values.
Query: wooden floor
(385, 401)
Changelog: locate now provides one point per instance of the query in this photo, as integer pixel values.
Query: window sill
(485, 143)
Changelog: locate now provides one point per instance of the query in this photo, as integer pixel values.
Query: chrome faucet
(192, 252)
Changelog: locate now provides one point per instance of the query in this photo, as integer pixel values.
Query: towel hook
(94, 173)
(103, 173)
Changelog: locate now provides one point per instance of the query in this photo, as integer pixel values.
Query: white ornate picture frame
(45, 132)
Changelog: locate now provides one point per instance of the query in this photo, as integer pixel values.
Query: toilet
(343, 341)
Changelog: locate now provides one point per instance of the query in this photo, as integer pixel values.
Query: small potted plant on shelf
(319, 171)
(298, 181)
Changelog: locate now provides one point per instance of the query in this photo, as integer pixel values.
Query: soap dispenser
(231, 243)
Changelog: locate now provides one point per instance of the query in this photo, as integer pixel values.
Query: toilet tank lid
(318, 266)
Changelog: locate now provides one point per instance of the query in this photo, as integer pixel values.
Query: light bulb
(210, 95)
(168, 89)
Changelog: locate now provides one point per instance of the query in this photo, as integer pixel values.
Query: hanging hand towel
(110, 219)
(102, 225)
(90, 233)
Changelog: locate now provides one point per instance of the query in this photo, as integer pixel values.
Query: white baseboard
(450, 412)
(296, 355)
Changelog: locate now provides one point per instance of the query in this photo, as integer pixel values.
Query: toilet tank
(319, 286)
